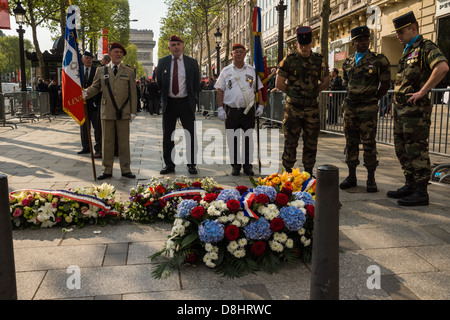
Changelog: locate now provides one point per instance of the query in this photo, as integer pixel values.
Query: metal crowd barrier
(331, 115)
(24, 106)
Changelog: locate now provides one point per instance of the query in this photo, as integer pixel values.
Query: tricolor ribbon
(88, 199)
(246, 203)
(308, 184)
(192, 192)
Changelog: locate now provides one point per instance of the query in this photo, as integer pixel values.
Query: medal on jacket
(416, 56)
(370, 68)
(409, 58)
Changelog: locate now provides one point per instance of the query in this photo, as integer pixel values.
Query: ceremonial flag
(72, 75)
(4, 15)
(258, 58)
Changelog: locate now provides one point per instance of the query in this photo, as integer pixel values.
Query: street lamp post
(281, 8)
(218, 36)
(19, 13)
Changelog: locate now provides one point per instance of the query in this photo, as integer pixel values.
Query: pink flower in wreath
(17, 212)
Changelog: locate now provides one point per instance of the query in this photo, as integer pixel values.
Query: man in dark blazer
(178, 79)
(93, 108)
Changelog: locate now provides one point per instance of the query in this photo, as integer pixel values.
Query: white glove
(84, 93)
(132, 116)
(221, 113)
(259, 111)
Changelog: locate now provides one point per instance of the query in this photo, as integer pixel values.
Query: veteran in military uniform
(367, 76)
(117, 84)
(421, 67)
(302, 75)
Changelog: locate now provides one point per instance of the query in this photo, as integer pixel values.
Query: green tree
(131, 59)
(10, 55)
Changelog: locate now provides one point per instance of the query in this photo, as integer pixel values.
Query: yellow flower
(295, 172)
(276, 181)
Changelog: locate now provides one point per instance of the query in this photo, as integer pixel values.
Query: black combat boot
(350, 181)
(371, 184)
(310, 171)
(406, 190)
(418, 198)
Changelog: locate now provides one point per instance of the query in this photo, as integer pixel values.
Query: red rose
(233, 205)
(241, 189)
(231, 232)
(286, 191)
(197, 184)
(198, 212)
(162, 203)
(210, 197)
(258, 248)
(160, 189)
(310, 210)
(276, 224)
(261, 198)
(281, 199)
(197, 198)
(191, 258)
(181, 185)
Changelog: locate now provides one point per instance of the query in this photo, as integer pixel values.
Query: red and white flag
(4, 15)
(72, 76)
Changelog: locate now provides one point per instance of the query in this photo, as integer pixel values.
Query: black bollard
(325, 252)
(8, 288)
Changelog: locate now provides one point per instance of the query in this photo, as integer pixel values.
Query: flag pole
(88, 127)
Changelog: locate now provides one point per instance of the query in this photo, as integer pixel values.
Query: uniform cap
(115, 45)
(404, 20)
(304, 35)
(176, 39)
(359, 32)
(88, 54)
(238, 45)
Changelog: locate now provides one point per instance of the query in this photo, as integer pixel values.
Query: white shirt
(233, 95)
(181, 78)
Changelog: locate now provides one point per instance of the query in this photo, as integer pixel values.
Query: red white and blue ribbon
(246, 203)
(308, 184)
(88, 199)
(185, 192)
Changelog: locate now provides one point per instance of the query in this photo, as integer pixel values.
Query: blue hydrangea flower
(210, 231)
(185, 207)
(269, 191)
(293, 218)
(229, 194)
(258, 230)
(305, 197)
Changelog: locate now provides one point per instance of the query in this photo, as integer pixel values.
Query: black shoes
(249, 172)
(83, 151)
(235, 171)
(104, 176)
(192, 169)
(167, 169)
(98, 155)
(128, 175)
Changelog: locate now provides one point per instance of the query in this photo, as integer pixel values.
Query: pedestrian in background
(117, 84)
(178, 79)
(421, 67)
(335, 99)
(302, 75)
(236, 87)
(367, 76)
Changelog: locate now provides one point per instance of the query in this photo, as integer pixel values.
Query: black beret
(304, 35)
(404, 20)
(88, 54)
(360, 31)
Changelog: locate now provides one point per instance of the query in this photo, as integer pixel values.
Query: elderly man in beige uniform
(117, 83)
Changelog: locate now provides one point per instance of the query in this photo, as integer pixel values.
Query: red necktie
(175, 88)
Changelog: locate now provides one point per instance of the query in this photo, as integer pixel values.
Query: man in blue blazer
(179, 79)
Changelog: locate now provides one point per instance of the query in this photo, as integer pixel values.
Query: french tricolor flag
(72, 76)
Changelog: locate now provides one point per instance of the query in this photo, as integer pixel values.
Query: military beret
(115, 45)
(404, 20)
(88, 54)
(304, 35)
(238, 45)
(176, 39)
(360, 31)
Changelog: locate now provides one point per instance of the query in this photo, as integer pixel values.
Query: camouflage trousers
(298, 119)
(411, 133)
(360, 126)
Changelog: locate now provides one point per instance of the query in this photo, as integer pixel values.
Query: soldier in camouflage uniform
(421, 67)
(363, 73)
(302, 75)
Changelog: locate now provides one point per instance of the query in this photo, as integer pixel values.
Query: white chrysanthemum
(280, 237)
(232, 246)
(242, 242)
(208, 247)
(276, 246)
(240, 253)
(301, 231)
(237, 223)
(289, 243)
(306, 242)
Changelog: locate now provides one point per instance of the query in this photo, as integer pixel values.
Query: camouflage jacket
(363, 80)
(414, 69)
(303, 75)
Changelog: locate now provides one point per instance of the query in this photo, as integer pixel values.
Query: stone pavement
(409, 246)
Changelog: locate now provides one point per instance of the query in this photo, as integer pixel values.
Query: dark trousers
(178, 109)
(240, 130)
(94, 119)
(153, 105)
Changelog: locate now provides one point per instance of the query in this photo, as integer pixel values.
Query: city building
(143, 40)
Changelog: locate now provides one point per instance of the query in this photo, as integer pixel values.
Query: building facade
(143, 40)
